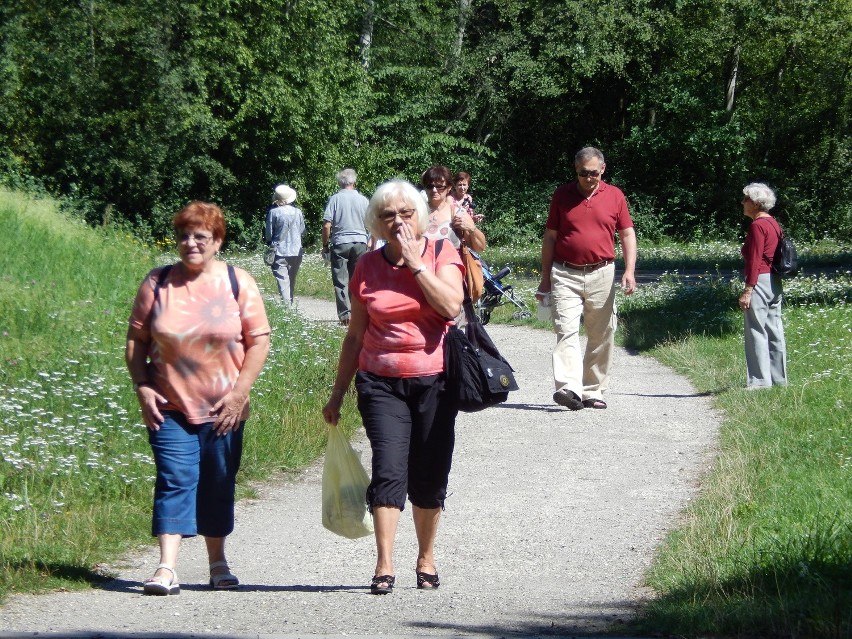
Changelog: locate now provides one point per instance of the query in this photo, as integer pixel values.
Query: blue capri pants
(196, 477)
(410, 423)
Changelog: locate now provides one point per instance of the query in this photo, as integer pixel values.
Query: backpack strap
(164, 275)
(235, 285)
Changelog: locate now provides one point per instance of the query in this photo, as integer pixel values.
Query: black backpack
(786, 261)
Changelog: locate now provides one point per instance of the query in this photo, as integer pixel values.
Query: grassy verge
(766, 550)
(75, 467)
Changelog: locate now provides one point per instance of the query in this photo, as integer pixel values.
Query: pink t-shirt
(405, 335)
(197, 332)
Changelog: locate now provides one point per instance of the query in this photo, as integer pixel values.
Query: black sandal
(594, 403)
(382, 584)
(424, 578)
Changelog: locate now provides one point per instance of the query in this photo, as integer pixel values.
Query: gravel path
(552, 518)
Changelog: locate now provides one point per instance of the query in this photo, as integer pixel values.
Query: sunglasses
(404, 215)
(436, 187)
(585, 173)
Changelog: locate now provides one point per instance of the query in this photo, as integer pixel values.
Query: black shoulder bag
(477, 375)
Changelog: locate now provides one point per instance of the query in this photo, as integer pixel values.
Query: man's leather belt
(587, 268)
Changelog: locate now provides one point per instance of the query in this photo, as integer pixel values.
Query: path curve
(551, 520)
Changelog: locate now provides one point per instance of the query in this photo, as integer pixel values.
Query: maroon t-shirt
(759, 248)
(586, 226)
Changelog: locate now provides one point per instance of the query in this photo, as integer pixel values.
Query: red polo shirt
(586, 227)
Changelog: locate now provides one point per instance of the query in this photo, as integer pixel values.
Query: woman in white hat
(285, 226)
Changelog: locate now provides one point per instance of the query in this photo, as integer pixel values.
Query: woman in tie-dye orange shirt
(198, 339)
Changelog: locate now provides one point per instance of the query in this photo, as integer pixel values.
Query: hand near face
(409, 244)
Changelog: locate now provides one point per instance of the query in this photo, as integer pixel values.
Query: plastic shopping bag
(344, 489)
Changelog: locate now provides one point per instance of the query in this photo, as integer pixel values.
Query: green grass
(74, 458)
(766, 550)
(705, 256)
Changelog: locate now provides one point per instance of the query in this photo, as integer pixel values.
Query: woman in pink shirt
(198, 339)
(401, 298)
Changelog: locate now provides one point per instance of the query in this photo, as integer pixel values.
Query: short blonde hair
(391, 190)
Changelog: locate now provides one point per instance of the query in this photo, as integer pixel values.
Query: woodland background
(126, 109)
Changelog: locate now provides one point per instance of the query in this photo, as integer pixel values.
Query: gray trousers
(284, 269)
(343, 260)
(765, 349)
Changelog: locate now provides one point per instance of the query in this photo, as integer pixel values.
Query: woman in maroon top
(765, 349)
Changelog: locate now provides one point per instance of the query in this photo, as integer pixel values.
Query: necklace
(436, 213)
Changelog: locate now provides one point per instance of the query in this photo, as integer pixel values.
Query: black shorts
(410, 423)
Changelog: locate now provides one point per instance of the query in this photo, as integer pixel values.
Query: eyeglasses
(585, 173)
(404, 215)
(201, 239)
(436, 187)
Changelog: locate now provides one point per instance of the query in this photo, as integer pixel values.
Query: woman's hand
(462, 222)
(410, 245)
(228, 411)
(464, 226)
(331, 411)
(148, 402)
(745, 299)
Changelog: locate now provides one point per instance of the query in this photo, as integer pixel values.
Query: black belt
(586, 268)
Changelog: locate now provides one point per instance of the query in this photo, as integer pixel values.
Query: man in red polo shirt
(577, 269)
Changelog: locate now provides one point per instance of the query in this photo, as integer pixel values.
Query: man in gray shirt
(343, 229)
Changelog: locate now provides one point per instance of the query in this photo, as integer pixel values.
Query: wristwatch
(136, 385)
(419, 270)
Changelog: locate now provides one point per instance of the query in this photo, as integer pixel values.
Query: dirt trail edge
(552, 518)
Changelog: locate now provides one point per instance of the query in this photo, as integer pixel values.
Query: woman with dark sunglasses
(447, 218)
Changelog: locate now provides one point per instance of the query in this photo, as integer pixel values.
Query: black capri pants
(411, 425)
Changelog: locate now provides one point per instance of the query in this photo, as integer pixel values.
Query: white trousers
(592, 296)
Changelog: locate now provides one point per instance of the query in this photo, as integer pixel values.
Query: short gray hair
(761, 195)
(587, 153)
(391, 190)
(347, 177)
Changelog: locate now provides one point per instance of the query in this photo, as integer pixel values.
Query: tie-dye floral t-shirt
(198, 333)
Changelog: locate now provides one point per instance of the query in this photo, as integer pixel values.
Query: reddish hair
(203, 215)
(461, 175)
(437, 173)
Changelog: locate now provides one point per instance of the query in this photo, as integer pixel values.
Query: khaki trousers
(592, 295)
